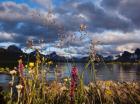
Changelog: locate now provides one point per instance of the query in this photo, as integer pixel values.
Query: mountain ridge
(13, 53)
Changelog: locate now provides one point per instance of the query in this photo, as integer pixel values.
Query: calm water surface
(117, 72)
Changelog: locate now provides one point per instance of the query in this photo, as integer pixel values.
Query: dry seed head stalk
(83, 27)
(50, 17)
(93, 50)
(29, 43)
(11, 83)
(83, 31)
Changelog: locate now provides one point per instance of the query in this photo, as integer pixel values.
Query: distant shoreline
(11, 64)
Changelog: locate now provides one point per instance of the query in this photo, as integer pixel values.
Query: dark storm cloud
(22, 20)
(97, 18)
(117, 16)
(127, 8)
(69, 15)
(110, 4)
(101, 20)
(130, 9)
(26, 30)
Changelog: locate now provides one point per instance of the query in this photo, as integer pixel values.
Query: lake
(116, 72)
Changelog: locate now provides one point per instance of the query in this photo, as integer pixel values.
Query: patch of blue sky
(30, 3)
(6, 44)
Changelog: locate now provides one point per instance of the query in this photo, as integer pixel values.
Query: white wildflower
(13, 72)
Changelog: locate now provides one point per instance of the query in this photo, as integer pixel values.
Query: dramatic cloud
(7, 36)
(113, 22)
(127, 8)
(117, 37)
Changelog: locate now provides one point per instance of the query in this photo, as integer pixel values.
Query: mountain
(14, 49)
(12, 54)
(126, 56)
(137, 52)
(129, 57)
(108, 58)
(54, 57)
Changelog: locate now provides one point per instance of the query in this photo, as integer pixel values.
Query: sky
(115, 23)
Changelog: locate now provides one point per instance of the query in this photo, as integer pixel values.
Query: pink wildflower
(73, 84)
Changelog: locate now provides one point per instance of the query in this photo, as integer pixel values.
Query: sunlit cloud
(114, 23)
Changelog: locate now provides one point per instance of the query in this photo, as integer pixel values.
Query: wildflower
(13, 72)
(108, 83)
(26, 66)
(63, 88)
(31, 64)
(20, 67)
(73, 84)
(103, 86)
(19, 87)
(59, 84)
(74, 73)
(65, 80)
(50, 62)
(15, 68)
(31, 72)
(108, 92)
(11, 83)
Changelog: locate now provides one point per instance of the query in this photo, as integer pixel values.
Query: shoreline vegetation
(101, 92)
(33, 88)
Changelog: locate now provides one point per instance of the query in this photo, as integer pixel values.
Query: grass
(33, 89)
(4, 70)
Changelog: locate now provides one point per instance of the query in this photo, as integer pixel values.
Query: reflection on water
(117, 72)
(4, 80)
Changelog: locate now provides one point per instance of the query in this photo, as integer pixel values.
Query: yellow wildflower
(108, 83)
(65, 80)
(50, 62)
(31, 64)
(108, 92)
